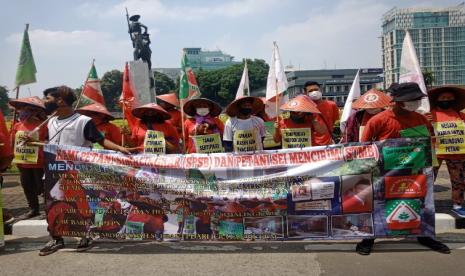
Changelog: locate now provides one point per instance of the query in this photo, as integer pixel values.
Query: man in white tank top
(71, 128)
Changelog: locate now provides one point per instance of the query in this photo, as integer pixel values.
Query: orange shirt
(189, 131)
(447, 116)
(5, 149)
(317, 139)
(43, 132)
(110, 132)
(176, 120)
(330, 113)
(387, 125)
(170, 133)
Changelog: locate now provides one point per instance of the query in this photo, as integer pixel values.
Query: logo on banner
(410, 157)
(403, 214)
(408, 186)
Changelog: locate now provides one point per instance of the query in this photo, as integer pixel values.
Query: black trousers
(33, 185)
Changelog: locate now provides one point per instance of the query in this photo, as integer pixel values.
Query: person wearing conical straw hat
(244, 132)
(29, 159)
(170, 102)
(304, 127)
(154, 133)
(101, 118)
(203, 132)
(367, 106)
(447, 103)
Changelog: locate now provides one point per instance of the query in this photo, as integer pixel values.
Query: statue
(140, 42)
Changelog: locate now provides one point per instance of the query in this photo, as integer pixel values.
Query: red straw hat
(233, 108)
(91, 109)
(190, 105)
(139, 111)
(372, 99)
(459, 93)
(170, 98)
(301, 103)
(31, 101)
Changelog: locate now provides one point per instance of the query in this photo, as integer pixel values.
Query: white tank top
(68, 131)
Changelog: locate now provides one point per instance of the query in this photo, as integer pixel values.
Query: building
(172, 73)
(439, 39)
(208, 60)
(335, 83)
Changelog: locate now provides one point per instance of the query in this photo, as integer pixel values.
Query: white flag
(410, 70)
(244, 87)
(276, 83)
(353, 95)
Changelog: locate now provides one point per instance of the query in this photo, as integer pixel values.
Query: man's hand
(126, 150)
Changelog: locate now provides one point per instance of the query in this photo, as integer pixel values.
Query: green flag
(188, 86)
(26, 72)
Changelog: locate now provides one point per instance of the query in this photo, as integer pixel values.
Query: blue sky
(66, 35)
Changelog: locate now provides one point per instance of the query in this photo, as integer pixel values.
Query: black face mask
(445, 104)
(150, 120)
(298, 120)
(50, 107)
(245, 111)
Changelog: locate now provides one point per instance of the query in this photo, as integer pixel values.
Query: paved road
(208, 258)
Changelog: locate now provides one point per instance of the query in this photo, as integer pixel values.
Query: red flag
(129, 98)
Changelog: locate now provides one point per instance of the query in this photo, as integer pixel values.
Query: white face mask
(202, 111)
(374, 110)
(412, 105)
(315, 95)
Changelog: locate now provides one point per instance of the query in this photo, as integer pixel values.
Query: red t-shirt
(447, 116)
(330, 113)
(5, 149)
(387, 125)
(43, 132)
(111, 132)
(170, 133)
(189, 130)
(317, 139)
(176, 120)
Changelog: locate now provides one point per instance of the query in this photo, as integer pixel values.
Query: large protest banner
(381, 189)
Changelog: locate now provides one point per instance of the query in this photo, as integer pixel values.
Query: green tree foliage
(4, 100)
(163, 84)
(221, 85)
(428, 76)
(112, 84)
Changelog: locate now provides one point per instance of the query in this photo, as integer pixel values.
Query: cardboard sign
(25, 154)
(296, 137)
(450, 137)
(154, 142)
(210, 143)
(245, 141)
(405, 186)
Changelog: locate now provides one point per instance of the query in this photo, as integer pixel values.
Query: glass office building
(208, 60)
(439, 39)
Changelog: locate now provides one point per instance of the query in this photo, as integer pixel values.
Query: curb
(38, 228)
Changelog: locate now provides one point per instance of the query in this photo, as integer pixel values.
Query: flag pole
(276, 83)
(15, 114)
(85, 82)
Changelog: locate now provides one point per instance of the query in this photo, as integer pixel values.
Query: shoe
(7, 218)
(84, 244)
(365, 246)
(433, 245)
(52, 246)
(459, 212)
(32, 213)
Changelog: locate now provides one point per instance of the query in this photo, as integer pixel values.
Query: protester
(169, 102)
(304, 115)
(262, 112)
(154, 130)
(244, 132)
(367, 106)
(29, 159)
(74, 129)
(400, 121)
(448, 121)
(6, 155)
(328, 108)
(204, 121)
(101, 118)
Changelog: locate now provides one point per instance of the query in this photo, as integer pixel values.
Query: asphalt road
(20, 257)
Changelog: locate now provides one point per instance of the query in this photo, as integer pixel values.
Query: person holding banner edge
(449, 126)
(400, 121)
(70, 128)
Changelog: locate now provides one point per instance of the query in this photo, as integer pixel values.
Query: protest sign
(25, 154)
(210, 143)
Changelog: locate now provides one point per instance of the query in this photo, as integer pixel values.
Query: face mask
(25, 114)
(445, 104)
(412, 105)
(297, 119)
(245, 111)
(202, 111)
(373, 110)
(50, 106)
(315, 95)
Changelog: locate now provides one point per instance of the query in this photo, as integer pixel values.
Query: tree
(4, 100)
(163, 84)
(112, 85)
(428, 76)
(221, 85)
